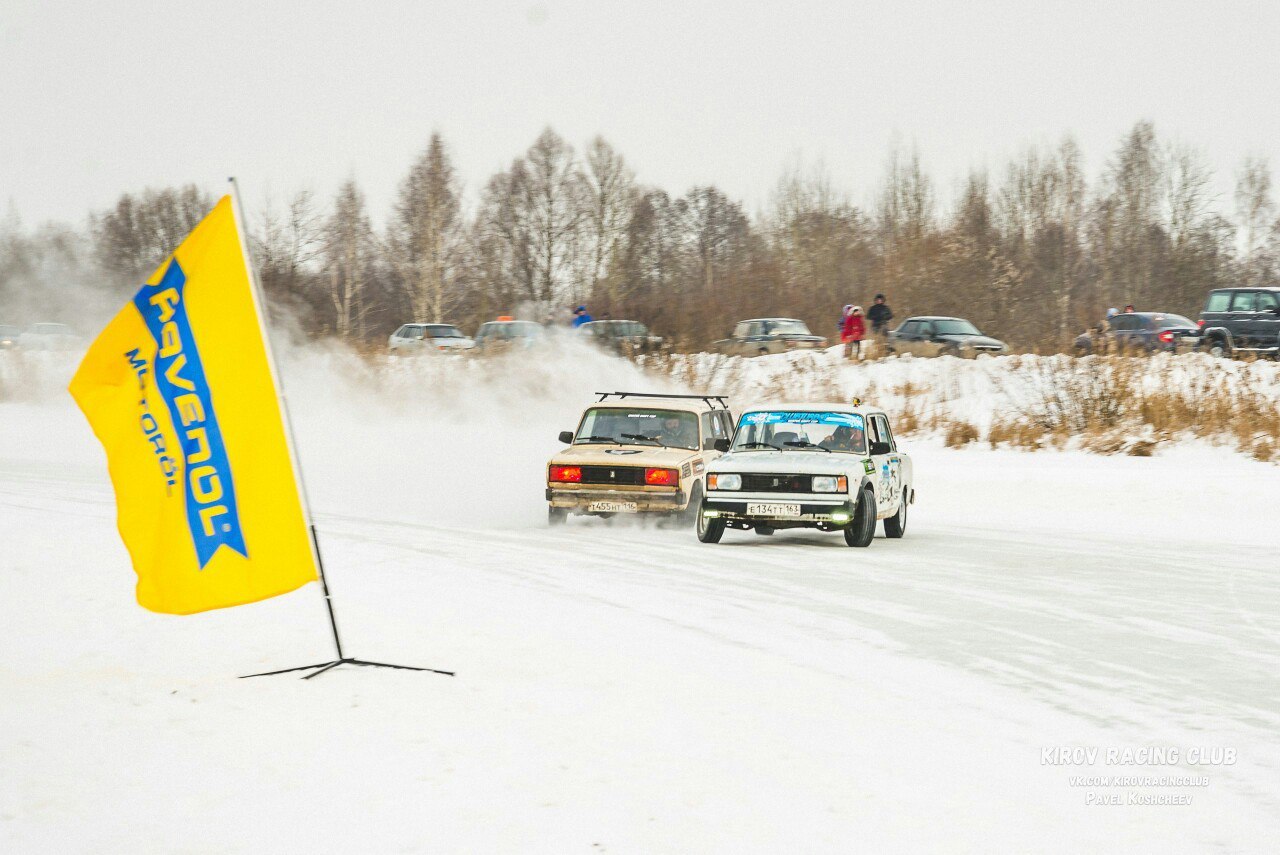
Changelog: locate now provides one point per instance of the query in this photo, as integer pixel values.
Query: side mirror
(721, 445)
(879, 448)
(566, 436)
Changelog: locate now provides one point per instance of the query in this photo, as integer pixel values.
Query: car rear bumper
(580, 499)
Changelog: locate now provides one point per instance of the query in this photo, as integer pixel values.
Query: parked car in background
(1139, 332)
(49, 337)
(507, 334)
(760, 336)
(625, 337)
(429, 338)
(9, 336)
(1241, 320)
(939, 336)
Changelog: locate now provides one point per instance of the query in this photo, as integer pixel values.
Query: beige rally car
(636, 453)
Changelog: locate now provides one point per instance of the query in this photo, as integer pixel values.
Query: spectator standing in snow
(853, 332)
(580, 317)
(880, 314)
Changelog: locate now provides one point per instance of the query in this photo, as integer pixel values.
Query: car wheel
(764, 351)
(763, 530)
(896, 525)
(950, 350)
(692, 511)
(556, 516)
(863, 527)
(1218, 348)
(710, 529)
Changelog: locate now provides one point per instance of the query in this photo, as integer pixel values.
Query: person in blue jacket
(580, 317)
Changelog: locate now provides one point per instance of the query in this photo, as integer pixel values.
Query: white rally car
(833, 467)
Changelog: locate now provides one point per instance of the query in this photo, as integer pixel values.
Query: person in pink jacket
(853, 332)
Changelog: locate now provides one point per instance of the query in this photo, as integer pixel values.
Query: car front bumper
(812, 511)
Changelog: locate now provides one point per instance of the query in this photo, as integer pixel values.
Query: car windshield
(786, 327)
(954, 326)
(511, 329)
(669, 428)
(624, 328)
(444, 331)
(786, 430)
(1165, 322)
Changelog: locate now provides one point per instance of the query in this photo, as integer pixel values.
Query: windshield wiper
(599, 439)
(759, 444)
(804, 443)
(641, 437)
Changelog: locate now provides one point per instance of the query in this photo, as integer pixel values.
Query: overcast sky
(98, 98)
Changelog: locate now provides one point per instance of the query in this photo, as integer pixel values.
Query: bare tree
(140, 231)
(348, 254)
(1256, 214)
(609, 194)
(554, 202)
(426, 233)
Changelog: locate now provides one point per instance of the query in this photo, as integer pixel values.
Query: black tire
(950, 350)
(764, 351)
(896, 525)
(763, 530)
(1218, 348)
(693, 510)
(862, 529)
(710, 529)
(556, 516)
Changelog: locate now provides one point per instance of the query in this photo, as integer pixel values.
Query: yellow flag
(179, 390)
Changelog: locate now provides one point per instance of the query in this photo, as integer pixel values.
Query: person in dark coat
(879, 314)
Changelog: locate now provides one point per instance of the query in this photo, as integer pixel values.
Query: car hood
(778, 462)
(453, 342)
(599, 454)
(979, 340)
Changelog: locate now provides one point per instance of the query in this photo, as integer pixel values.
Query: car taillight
(661, 477)
(570, 474)
(1200, 323)
(1166, 336)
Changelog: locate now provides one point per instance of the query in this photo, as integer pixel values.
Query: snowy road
(625, 688)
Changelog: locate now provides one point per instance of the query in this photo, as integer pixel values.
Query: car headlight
(724, 482)
(830, 483)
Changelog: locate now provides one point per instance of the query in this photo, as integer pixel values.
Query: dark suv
(1241, 320)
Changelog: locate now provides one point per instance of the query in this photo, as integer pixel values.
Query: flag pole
(259, 307)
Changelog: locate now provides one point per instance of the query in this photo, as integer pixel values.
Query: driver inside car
(843, 438)
(678, 432)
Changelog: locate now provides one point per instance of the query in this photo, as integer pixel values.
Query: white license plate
(612, 507)
(772, 509)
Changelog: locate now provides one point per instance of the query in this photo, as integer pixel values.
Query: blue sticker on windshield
(853, 420)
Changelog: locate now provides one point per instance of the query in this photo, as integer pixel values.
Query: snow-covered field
(625, 688)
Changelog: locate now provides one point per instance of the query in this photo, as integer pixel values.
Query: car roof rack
(711, 400)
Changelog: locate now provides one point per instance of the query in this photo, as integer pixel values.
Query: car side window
(1219, 301)
(400, 332)
(924, 328)
(755, 329)
(1244, 301)
(1266, 302)
(1124, 323)
(882, 431)
(740, 331)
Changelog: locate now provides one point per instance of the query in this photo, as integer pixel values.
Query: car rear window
(1218, 301)
(1165, 322)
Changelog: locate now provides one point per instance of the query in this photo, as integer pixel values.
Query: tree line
(1032, 252)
